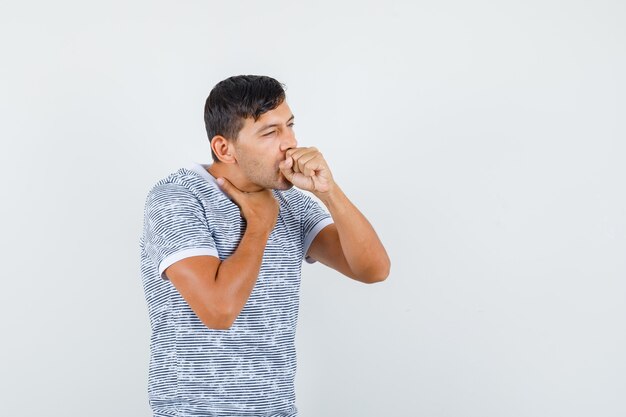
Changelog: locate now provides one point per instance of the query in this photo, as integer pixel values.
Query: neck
(233, 174)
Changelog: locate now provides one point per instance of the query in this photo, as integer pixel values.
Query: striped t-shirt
(249, 369)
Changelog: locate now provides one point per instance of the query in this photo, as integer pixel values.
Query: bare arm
(218, 290)
(350, 245)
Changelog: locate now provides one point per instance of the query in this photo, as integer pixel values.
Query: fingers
(304, 160)
(306, 168)
(298, 153)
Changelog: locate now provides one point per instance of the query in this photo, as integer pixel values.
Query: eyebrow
(262, 128)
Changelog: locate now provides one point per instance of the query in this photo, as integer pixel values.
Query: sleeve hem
(185, 253)
(311, 236)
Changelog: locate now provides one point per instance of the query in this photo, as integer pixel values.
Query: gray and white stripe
(248, 370)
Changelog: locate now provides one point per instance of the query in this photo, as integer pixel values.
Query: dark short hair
(237, 98)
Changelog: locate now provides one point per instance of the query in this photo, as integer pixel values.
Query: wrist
(331, 197)
(259, 229)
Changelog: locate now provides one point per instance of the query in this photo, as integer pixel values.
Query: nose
(288, 141)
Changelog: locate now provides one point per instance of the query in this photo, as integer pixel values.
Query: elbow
(378, 274)
(218, 325)
(374, 278)
(218, 319)
(383, 270)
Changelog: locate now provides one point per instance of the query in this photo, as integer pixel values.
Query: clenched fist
(307, 169)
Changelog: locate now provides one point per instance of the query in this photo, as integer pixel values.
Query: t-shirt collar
(201, 169)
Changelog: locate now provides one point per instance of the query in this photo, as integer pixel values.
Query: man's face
(261, 146)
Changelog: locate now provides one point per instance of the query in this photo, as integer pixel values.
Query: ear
(223, 149)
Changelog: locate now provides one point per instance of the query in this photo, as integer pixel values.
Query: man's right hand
(259, 208)
(217, 290)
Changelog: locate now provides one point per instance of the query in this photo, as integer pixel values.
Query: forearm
(237, 274)
(362, 249)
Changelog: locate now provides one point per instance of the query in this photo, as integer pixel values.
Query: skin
(265, 156)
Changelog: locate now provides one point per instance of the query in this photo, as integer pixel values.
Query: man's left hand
(307, 169)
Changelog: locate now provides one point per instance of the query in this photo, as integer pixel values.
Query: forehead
(279, 115)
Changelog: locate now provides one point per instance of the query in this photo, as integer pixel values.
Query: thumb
(285, 168)
(228, 188)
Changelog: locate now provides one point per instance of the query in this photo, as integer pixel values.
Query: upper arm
(326, 248)
(175, 226)
(179, 241)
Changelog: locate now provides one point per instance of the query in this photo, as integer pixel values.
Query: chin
(283, 186)
(282, 183)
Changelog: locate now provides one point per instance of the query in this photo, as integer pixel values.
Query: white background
(483, 139)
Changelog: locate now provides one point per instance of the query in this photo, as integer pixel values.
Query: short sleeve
(175, 226)
(314, 219)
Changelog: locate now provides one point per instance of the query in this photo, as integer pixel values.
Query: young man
(221, 254)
